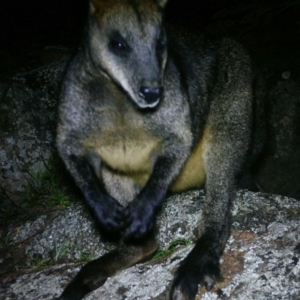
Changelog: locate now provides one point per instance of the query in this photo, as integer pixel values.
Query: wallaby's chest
(133, 153)
(125, 150)
(128, 145)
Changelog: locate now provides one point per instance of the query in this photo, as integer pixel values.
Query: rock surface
(261, 259)
(28, 117)
(279, 170)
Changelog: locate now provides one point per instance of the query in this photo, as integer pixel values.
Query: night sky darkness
(24, 22)
(27, 23)
(61, 21)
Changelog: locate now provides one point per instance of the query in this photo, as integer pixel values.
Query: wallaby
(146, 109)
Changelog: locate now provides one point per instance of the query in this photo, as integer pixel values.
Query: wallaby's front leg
(141, 212)
(108, 212)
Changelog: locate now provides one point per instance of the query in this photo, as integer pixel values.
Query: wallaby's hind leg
(222, 158)
(202, 264)
(228, 132)
(94, 274)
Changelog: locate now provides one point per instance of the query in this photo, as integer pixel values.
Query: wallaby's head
(127, 41)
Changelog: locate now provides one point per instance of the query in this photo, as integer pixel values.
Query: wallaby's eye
(117, 44)
(160, 45)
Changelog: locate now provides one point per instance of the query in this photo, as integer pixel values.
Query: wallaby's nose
(150, 94)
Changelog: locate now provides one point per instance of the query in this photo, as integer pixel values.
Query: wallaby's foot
(201, 267)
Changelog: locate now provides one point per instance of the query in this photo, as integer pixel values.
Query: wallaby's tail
(94, 274)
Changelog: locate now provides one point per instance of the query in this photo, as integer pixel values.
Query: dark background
(270, 29)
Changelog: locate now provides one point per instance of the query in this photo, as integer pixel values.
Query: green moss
(46, 186)
(170, 249)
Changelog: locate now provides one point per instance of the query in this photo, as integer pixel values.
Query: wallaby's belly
(192, 175)
(129, 152)
(132, 153)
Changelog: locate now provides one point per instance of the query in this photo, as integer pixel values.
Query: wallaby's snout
(151, 94)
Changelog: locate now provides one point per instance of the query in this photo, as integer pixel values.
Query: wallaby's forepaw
(195, 270)
(139, 220)
(110, 215)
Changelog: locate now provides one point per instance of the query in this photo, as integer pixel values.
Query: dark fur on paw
(140, 220)
(200, 267)
(109, 214)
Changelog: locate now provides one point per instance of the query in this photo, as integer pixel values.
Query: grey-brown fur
(123, 147)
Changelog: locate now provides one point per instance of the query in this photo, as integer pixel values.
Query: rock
(261, 259)
(278, 170)
(28, 116)
(52, 54)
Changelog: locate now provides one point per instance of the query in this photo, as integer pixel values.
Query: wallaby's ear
(92, 8)
(162, 3)
(96, 5)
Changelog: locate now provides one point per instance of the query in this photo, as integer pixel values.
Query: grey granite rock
(28, 116)
(261, 259)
